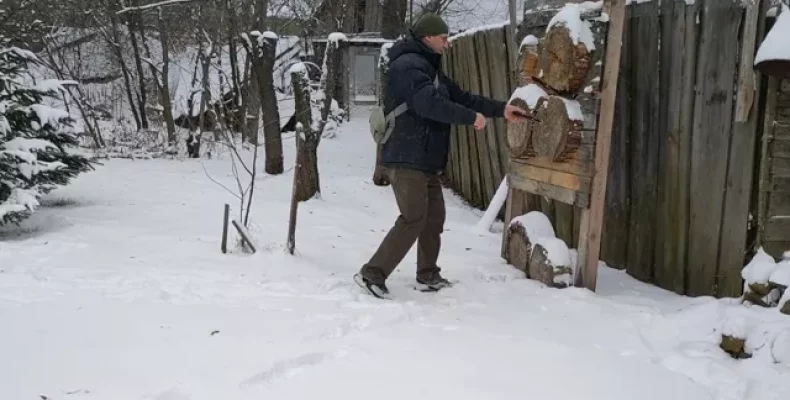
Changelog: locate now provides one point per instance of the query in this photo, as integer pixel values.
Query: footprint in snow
(290, 367)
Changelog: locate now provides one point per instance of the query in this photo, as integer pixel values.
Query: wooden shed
(359, 73)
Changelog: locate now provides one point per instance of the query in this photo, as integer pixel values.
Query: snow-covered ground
(118, 290)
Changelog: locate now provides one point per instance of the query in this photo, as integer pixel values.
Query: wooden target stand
(568, 84)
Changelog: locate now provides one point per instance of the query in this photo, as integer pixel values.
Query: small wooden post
(225, 229)
(592, 217)
(291, 244)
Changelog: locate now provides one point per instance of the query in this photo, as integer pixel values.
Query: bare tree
(261, 49)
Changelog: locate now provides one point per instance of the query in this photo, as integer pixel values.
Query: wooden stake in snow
(246, 238)
(225, 229)
(291, 243)
(592, 217)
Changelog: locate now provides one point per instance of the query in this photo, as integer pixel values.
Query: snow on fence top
(776, 45)
(472, 31)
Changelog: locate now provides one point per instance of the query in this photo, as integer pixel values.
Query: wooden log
(557, 133)
(542, 267)
(563, 63)
(518, 247)
(529, 60)
(519, 134)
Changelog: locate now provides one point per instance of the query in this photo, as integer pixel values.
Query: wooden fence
(682, 166)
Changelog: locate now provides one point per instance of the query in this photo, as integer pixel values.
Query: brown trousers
(422, 214)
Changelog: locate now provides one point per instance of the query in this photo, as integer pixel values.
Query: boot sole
(370, 289)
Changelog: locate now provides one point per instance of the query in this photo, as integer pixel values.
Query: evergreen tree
(38, 144)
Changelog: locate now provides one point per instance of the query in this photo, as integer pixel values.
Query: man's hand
(480, 122)
(515, 114)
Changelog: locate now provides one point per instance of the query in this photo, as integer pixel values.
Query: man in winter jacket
(415, 153)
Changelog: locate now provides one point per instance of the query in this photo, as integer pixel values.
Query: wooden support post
(514, 207)
(225, 229)
(592, 217)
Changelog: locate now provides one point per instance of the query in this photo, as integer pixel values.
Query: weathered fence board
(738, 189)
(645, 151)
(486, 190)
(615, 235)
(489, 136)
(713, 107)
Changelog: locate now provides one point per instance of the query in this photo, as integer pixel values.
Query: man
(416, 152)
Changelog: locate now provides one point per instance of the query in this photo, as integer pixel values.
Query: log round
(556, 136)
(541, 269)
(529, 64)
(519, 134)
(518, 246)
(564, 65)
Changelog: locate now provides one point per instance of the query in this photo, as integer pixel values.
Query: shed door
(365, 78)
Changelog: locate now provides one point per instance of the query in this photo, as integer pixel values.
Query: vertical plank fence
(683, 167)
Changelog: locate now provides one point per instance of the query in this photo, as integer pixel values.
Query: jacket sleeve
(488, 107)
(414, 84)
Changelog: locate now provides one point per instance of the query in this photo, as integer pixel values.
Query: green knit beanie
(430, 24)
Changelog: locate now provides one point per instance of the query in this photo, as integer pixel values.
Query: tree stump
(542, 269)
(563, 64)
(785, 307)
(519, 134)
(763, 295)
(556, 135)
(518, 247)
(734, 346)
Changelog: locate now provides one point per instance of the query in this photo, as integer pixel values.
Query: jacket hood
(410, 44)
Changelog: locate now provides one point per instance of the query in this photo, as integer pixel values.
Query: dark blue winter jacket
(421, 136)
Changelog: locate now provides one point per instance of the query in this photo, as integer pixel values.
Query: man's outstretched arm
(488, 107)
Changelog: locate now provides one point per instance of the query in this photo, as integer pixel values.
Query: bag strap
(400, 109)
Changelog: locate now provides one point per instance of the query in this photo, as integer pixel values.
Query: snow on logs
(533, 247)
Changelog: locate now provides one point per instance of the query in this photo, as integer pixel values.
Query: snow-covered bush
(38, 145)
